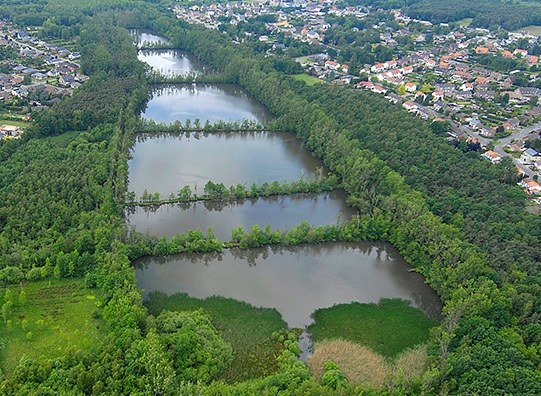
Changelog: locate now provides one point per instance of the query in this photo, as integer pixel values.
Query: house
(527, 92)
(393, 98)
(530, 186)
(475, 123)
(39, 76)
(333, 65)
(410, 106)
(437, 95)
(511, 123)
(487, 131)
(377, 68)
(482, 80)
(520, 52)
(494, 157)
(426, 112)
(11, 131)
(431, 63)
(468, 87)
(508, 54)
(481, 50)
(379, 89)
(411, 87)
(529, 156)
(390, 64)
(420, 95)
(532, 60)
(515, 148)
(365, 85)
(407, 70)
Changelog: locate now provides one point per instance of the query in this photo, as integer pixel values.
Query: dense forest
(458, 221)
(493, 14)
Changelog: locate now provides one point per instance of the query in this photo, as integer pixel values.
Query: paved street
(514, 137)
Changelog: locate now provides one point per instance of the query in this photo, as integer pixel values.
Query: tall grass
(363, 366)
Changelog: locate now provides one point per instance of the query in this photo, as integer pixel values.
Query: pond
(212, 102)
(168, 162)
(173, 62)
(295, 281)
(146, 37)
(282, 212)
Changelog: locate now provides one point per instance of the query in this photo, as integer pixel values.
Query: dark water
(282, 212)
(296, 281)
(212, 102)
(169, 162)
(173, 62)
(145, 37)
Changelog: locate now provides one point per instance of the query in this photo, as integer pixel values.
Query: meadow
(388, 328)
(46, 319)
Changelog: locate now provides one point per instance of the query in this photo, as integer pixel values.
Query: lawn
(248, 329)
(532, 29)
(388, 328)
(21, 124)
(465, 22)
(56, 316)
(308, 79)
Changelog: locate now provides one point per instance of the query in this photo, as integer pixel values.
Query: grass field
(308, 79)
(532, 29)
(57, 316)
(246, 328)
(21, 124)
(387, 328)
(465, 22)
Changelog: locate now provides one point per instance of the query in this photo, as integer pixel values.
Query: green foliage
(248, 329)
(197, 351)
(374, 325)
(56, 314)
(333, 377)
(218, 192)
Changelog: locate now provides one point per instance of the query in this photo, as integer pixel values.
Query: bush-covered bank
(165, 129)
(218, 192)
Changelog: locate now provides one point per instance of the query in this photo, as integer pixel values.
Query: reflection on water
(296, 281)
(145, 37)
(166, 163)
(280, 212)
(212, 102)
(173, 62)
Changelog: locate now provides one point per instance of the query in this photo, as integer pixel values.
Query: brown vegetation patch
(363, 366)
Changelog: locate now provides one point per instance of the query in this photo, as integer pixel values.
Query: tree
(22, 298)
(6, 310)
(196, 349)
(333, 377)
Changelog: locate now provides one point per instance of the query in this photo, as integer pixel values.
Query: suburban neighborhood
(34, 74)
(482, 87)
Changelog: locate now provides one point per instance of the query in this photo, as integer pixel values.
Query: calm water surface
(281, 212)
(145, 37)
(173, 62)
(212, 102)
(168, 162)
(295, 281)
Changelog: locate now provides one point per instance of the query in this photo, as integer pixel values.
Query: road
(40, 51)
(514, 137)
